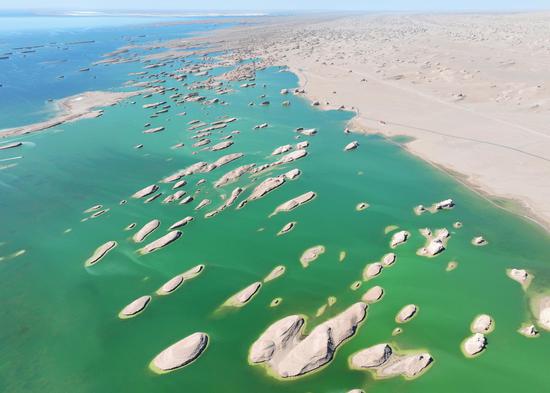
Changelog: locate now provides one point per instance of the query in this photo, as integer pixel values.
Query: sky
(374, 5)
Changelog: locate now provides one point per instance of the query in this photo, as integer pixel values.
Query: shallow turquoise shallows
(59, 325)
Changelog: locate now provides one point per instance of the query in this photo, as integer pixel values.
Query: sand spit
(153, 130)
(277, 272)
(287, 228)
(134, 308)
(100, 252)
(288, 353)
(161, 242)
(406, 313)
(145, 231)
(10, 145)
(520, 275)
(373, 295)
(294, 203)
(176, 281)
(77, 107)
(233, 175)
(540, 306)
(311, 254)
(180, 354)
(399, 238)
(145, 191)
(242, 297)
(384, 362)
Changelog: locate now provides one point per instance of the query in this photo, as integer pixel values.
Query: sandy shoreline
(470, 90)
(73, 108)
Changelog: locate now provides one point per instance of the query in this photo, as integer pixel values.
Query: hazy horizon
(271, 5)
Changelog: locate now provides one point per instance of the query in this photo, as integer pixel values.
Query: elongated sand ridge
(80, 106)
(100, 252)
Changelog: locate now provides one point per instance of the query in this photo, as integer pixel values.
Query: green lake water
(59, 330)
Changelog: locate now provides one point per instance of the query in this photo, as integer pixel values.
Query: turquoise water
(60, 330)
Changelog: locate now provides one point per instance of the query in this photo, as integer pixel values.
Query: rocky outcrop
(289, 354)
(176, 281)
(351, 146)
(483, 323)
(181, 223)
(373, 295)
(435, 243)
(294, 203)
(406, 313)
(528, 330)
(147, 229)
(372, 270)
(100, 252)
(277, 272)
(180, 354)
(265, 187)
(474, 345)
(161, 242)
(287, 228)
(242, 297)
(134, 308)
(311, 254)
(384, 362)
(145, 191)
(399, 238)
(233, 175)
(291, 157)
(520, 275)
(292, 174)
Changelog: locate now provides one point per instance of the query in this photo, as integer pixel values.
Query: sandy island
(77, 107)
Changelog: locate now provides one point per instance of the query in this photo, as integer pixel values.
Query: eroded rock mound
(180, 354)
(383, 360)
(289, 354)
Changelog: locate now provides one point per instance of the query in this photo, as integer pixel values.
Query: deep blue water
(40, 57)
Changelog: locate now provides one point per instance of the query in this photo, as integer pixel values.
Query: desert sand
(470, 90)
